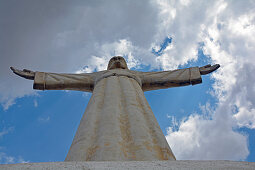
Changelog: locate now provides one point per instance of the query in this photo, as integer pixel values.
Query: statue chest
(118, 73)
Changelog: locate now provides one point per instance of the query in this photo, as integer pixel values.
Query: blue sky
(212, 120)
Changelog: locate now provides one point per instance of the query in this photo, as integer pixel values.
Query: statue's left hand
(27, 74)
(208, 69)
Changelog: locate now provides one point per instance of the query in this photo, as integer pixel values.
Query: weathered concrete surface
(167, 165)
(118, 125)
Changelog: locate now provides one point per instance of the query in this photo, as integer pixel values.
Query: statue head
(117, 62)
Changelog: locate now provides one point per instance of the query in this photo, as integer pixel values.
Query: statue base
(168, 165)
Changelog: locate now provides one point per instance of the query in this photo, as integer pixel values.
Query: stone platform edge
(169, 165)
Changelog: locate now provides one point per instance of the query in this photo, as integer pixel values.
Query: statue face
(117, 62)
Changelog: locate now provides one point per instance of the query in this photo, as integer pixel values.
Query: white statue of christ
(118, 124)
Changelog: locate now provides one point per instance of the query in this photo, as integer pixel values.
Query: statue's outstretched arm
(174, 78)
(55, 81)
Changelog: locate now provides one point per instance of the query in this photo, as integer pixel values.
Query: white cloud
(226, 29)
(5, 131)
(79, 36)
(206, 137)
(44, 119)
(35, 103)
(12, 88)
(232, 46)
(6, 159)
(182, 21)
(123, 47)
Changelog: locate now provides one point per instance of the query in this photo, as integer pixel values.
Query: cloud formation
(5, 131)
(5, 158)
(59, 36)
(225, 29)
(207, 136)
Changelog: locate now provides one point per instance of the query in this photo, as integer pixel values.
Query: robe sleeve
(54, 81)
(167, 79)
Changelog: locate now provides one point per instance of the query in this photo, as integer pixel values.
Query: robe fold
(118, 124)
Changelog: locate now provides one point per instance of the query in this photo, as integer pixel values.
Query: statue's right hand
(27, 74)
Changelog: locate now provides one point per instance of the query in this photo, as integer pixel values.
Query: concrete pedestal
(167, 165)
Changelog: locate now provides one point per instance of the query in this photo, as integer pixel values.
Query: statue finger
(26, 70)
(208, 65)
(16, 71)
(215, 67)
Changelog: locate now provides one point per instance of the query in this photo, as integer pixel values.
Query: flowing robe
(118, 124)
